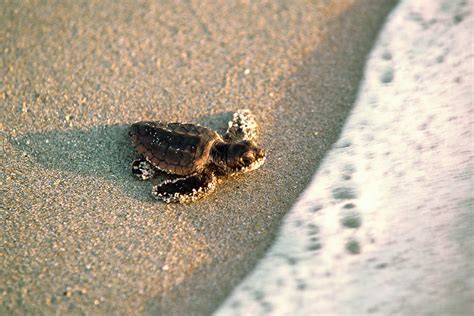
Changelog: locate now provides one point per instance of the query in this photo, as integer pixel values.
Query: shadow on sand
(101, 151)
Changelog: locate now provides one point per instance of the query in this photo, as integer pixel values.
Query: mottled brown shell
(176, 148)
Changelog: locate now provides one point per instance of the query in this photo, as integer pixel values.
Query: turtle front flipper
(142, 169)
(243, 126)
(183, 190)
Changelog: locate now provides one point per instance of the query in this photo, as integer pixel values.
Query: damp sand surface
(79, 233)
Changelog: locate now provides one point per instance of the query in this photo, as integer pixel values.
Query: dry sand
(79, 233)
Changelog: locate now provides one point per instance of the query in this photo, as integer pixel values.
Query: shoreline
(385, 226)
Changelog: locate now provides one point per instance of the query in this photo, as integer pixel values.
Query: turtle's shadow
(101, 151)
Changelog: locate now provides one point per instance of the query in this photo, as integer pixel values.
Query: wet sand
(80, 234)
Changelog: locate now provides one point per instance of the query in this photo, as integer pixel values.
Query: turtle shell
(176, 148)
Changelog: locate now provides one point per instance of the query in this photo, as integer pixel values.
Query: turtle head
(244, 156)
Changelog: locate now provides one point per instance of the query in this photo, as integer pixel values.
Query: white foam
(386, 226)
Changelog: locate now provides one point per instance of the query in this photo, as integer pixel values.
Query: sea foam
(387, 224)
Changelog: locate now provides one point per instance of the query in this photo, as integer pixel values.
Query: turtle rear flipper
(186, 189)
(243, 126)
(142, 169)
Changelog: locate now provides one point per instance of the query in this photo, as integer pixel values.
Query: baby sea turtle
(196, 155)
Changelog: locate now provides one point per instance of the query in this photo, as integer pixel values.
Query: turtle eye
(246, 161)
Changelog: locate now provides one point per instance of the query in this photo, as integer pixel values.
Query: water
(386, 225)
